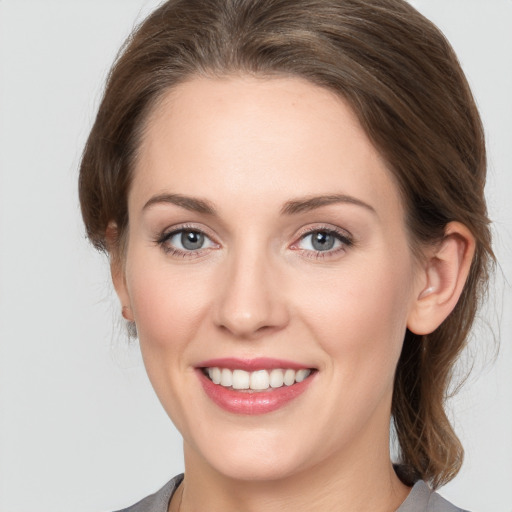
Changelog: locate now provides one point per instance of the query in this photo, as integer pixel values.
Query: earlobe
(117, 271)
(445, 271)
(126, 311)
(119, 282)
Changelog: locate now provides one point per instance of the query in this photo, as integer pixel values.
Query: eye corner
(333, 242)
(172, 241)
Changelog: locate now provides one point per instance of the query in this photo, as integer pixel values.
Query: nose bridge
(250, 301)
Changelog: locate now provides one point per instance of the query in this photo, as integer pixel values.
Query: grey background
(80, 427)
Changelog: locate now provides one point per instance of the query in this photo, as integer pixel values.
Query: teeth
(276, 378)
(241, 379)
(289, 377)
(226, 378)
(214, 374)
(301, 375)
(259, 380)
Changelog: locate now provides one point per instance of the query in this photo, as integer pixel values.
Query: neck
(366, 484)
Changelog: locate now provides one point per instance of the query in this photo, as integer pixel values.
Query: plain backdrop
(80, 427)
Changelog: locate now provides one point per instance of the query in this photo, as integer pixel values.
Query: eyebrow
(306, 204)
(292, 207)
(189, 203)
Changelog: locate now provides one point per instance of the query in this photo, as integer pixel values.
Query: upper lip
(250, 365)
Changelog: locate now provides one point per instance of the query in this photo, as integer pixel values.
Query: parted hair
(403, 81)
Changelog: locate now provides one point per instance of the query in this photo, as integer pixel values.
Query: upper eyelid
(172, 230)
(307, 230)
(344, 237)
(300, 234)
(163, 241)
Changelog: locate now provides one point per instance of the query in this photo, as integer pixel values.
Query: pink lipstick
(253, 386)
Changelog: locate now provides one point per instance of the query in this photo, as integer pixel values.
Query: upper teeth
(258, 380)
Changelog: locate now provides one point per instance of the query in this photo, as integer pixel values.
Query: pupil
(323, 241)
(192, 240)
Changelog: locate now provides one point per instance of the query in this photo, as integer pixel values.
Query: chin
(257, 470)
(253, 456)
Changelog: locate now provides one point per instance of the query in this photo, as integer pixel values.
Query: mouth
(254, 386)
(258, 381)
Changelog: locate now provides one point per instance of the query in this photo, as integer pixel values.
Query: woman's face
(266, 235)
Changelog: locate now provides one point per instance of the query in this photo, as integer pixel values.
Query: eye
(320, 241)
(184, 241)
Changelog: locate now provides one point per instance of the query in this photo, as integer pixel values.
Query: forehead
(258, 141)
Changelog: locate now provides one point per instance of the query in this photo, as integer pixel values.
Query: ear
(117, 270)
(442, 278)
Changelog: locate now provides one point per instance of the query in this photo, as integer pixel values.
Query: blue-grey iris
(322, 241)
(192, 240)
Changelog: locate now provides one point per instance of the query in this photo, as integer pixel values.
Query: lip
(250, 365)
(255, 402)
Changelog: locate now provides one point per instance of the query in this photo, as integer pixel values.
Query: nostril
(249, 303)
(247, 329)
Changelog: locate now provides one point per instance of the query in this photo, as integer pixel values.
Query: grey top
(420, 499)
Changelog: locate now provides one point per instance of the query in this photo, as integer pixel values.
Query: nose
(251, 300)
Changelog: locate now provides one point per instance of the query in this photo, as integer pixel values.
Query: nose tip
(248, 324)
(250, 303)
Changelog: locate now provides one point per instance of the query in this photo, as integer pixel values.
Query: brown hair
(402, 79)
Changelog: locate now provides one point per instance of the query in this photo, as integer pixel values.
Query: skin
(248, 146)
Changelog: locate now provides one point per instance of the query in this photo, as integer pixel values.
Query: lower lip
(255, 402)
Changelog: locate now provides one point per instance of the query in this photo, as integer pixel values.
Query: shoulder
(420, 499)
(423, 499)
(159, 501)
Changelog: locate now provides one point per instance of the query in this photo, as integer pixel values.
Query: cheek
(168, 305)
(360, 314)
(167, 301)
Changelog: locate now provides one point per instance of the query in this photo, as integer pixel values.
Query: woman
(291, 196)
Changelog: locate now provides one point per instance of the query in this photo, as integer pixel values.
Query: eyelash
(346, 241)
(342, 236)
(173, 251)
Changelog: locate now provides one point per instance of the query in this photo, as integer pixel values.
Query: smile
(256, 386)
(259, 380)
